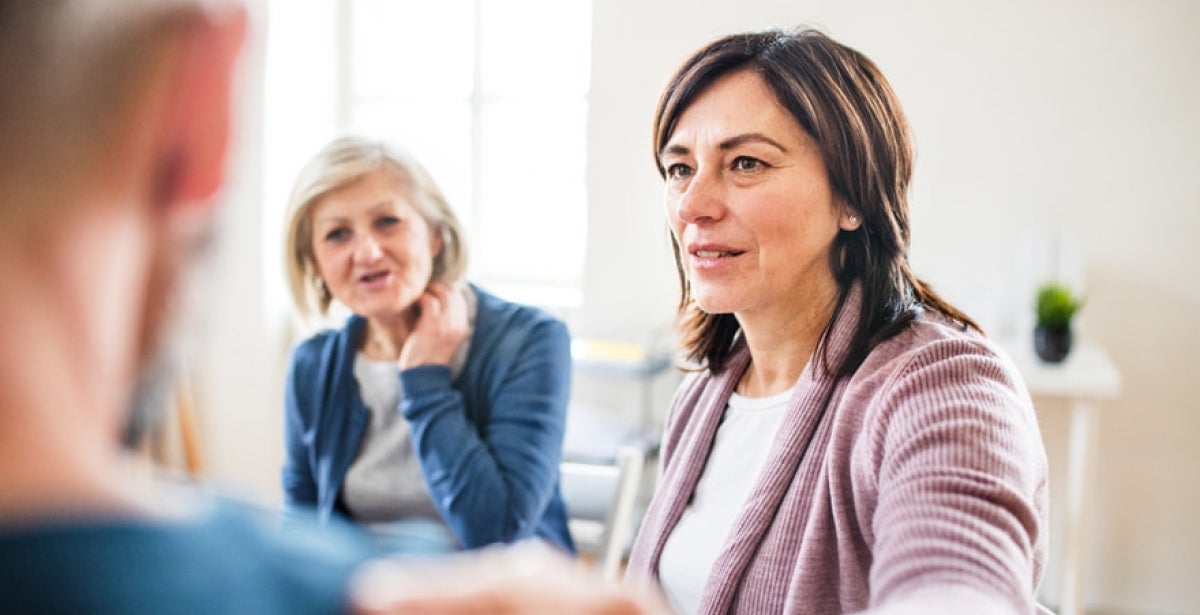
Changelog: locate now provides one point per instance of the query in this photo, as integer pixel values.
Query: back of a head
(67, 71)
(112, 139)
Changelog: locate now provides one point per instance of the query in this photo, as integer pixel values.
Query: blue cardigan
(489, 443)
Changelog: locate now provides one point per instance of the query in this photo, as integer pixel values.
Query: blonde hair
(340, 163)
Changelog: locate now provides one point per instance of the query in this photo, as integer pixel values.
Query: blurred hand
(527, 578)
(441, 327)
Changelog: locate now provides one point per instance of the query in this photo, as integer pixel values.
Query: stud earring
(854, 220)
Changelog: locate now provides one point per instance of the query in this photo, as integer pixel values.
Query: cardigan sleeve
(961, 487)
(299, 487)
(493, 484)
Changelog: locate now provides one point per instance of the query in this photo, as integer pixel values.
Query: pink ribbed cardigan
(920, 487)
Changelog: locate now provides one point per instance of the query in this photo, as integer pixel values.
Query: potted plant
(1056, 306)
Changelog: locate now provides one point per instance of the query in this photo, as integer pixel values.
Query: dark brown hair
(839, 97)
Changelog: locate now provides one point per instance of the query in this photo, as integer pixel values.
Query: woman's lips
(712, 257)
(375, 278)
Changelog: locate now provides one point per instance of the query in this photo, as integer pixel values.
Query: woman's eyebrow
(678, 150)
(382, 205)
(387, 204)
(750, 137)
(330, 219)
(728, 144)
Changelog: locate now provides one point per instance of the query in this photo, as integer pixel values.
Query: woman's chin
(715, 307)
(385, 310)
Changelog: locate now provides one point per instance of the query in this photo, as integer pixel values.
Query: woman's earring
(854, 221)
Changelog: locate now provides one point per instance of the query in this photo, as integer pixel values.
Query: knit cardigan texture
(915, 485)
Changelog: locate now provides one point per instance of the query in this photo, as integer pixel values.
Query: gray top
(384, 483)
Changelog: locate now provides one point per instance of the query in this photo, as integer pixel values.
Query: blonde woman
(434, 417)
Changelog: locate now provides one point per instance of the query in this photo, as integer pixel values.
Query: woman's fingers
(454, 307)
(441, 327)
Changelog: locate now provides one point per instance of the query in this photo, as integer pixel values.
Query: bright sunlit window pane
(438, 134)
(532, 191)
(300, 116)
(414, 49)
(532, 47)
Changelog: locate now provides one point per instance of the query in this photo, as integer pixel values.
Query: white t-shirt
(739, 452)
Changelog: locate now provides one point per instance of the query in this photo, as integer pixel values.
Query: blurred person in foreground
(434, 416)
(114, 117)
(850, 442)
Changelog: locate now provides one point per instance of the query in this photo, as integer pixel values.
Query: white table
(1086, 377)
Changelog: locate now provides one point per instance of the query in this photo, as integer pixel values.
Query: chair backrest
(601, 499)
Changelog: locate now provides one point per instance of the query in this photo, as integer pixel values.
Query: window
(490, 95)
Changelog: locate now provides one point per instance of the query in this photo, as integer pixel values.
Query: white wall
(234, 380)
(238, 381)
(1030, 118)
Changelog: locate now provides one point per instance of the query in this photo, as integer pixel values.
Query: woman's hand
(440, 329)
(527, 578)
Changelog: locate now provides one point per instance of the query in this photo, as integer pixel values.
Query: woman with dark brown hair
(849, 441)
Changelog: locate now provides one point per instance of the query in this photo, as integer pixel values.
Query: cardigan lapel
(706, 408)
(806, 410)
(792, 442)
(345, 417)
(701, 409)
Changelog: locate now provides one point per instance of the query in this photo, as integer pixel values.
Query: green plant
(1056, 306)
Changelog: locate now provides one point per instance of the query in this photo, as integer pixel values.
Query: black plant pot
(1052, 346)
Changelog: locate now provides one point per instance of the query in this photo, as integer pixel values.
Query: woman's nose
(702, 200)
(367, 249)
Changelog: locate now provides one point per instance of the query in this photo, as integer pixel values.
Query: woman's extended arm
(961, 488)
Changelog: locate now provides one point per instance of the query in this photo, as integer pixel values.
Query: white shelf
(1086, 373)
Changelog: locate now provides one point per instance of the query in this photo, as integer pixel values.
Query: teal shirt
(489, 442)
(228, 559)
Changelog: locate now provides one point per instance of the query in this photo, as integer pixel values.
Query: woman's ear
(197, 113)
(437, 241)
(849, 219)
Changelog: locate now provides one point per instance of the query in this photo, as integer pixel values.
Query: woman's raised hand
(440, 328)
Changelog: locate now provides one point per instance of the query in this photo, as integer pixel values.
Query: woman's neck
(383, 338)
(781, 344)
